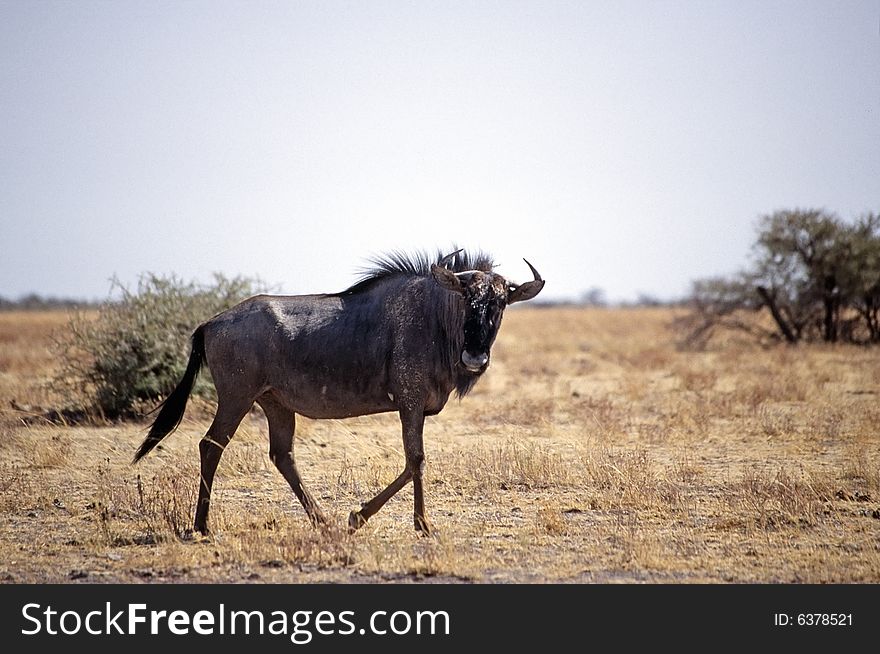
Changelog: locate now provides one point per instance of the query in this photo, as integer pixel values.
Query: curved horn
(534, 272)
(527, 290)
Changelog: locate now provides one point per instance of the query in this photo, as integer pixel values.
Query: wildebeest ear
(446, 278)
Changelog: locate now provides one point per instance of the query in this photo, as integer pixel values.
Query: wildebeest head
(486, 294)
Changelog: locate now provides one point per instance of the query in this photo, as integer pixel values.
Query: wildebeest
(401, 339)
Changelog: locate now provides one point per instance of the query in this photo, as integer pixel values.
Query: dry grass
(26, 362)
(593, 451)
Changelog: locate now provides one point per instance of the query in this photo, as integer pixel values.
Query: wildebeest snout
(474, 362)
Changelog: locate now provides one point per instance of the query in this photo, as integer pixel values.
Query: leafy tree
(799, 258)
(818, 277)
(862, 275)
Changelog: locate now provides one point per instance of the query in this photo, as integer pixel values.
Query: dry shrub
(822, 423)
(754, 390)
(34, 450)
(862, 467)
(628, 478)
(827, 422)
(276, 541)
(639, 549)
(514, 463)
(864, 420)
(395, 556)
(432, 557)
(56, 455)
(768, 501)
(144, 510)
(775, 421)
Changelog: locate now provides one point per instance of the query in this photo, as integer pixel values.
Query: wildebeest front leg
(415, 461)
(413, 422)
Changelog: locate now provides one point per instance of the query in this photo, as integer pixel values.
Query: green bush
(134, 351)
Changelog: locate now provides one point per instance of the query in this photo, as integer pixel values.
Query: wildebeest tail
(171, 411)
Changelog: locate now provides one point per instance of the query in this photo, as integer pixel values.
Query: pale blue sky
(624, 145)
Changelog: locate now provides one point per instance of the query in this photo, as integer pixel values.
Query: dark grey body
(403, 339)
(335, 356)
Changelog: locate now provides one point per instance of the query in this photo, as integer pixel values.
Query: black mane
(416, 264)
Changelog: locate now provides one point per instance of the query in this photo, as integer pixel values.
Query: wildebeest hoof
(199, 531)
(196, 536)
(355, 521)
(423, 527)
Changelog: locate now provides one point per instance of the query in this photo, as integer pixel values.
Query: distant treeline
(34, 302)
(595, 297)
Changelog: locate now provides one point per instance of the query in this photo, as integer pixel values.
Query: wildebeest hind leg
(357, 519)
(226, 421)
(282, 422)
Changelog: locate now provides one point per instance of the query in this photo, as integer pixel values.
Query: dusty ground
(592, 451)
